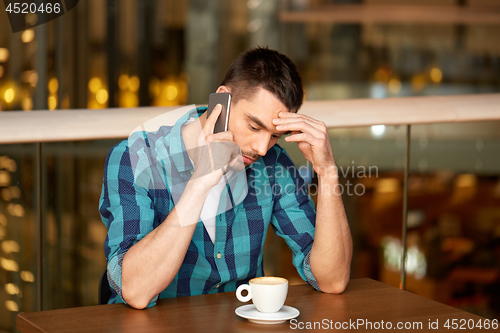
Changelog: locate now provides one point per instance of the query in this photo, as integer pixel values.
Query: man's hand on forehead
(311, 136)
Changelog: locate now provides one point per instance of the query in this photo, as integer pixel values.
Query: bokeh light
(52, 102)
(128, 99)
(418, 82)
(101, 96)
(134, 83)
(394, 86)
(16, 210)
(10, 246)
(9, 265)
(4, 54)
(11, 306)
(123, 81)
(28, 35)
(53, 85)
(436, 75)
(27, 104)
(5, 178)
(171, 92)
(95, 84)
(377, 130)
(5, 194)
(33, 78)
(27, 276)
(31, 18)
(11, 289)
(9, 95)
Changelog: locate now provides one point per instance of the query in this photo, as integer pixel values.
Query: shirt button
(219, 256)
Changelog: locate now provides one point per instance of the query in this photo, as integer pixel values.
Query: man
(158, 249)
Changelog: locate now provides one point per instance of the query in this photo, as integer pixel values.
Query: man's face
(251, 122)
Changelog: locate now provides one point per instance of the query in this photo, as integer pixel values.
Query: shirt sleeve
(127, 212)
(294, 215)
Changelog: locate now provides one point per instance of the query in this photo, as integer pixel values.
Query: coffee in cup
(268, 293)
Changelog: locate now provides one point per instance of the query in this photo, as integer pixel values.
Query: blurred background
(130, 53)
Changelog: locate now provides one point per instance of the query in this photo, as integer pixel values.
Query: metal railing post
(39, 225)
(402, 283)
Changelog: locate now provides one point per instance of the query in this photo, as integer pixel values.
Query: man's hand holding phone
(216, 153)
(224, 99)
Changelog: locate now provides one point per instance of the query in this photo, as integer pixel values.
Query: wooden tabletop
(364, 299)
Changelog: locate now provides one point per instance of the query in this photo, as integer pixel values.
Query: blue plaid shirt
(276, 195)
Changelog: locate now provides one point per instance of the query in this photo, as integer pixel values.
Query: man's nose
(260, 145)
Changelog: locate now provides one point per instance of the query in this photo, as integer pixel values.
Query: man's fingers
(210, 123)
(223, 152)
(235, 152)
(289, 116)
(304, 137)
(301, 126)
(222, 136)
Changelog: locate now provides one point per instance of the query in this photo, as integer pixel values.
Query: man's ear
(222, 89)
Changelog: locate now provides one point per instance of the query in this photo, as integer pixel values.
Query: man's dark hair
(268, 69)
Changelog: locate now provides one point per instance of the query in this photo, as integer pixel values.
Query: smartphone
(225, 100)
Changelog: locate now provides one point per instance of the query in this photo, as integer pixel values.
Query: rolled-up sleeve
(294, 215)
(127, 211)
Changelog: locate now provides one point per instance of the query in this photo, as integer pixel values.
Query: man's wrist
(328, 182)
(198, 185)
(328, 174)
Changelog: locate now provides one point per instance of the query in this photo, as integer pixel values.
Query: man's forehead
(256, 120)
(260, 123)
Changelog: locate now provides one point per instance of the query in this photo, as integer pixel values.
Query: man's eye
(253, 128)
(276, 136)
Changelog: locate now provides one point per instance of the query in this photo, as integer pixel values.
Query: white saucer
(252, 314)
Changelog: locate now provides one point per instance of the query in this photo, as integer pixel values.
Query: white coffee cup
(268, 293)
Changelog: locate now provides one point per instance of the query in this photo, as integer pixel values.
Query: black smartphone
(225, 100)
